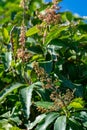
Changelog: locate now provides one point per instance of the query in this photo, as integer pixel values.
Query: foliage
(43, 67)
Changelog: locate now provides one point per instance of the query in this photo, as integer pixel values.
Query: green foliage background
(46, 88)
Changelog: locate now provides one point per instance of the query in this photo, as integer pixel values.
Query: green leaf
(35, 5)
(15, 119)
(83, 27)
(81, 37)
(56, 42)
(85, 124)
(74, 125)
(77, 103)
(12, 116)
(5, 34)
(15, 128)
(37, 120)
(60, 123)
(43, 104)
(69, 16)
(7, 58)
(5, 125)
(47, 121)
(26, 95)
(55, 32)
(9, 89)
(83, 118)
(37, 57)
(36, 49)
(47, 65)
(1, 70)
(32, 31)
(6, 115)
(68, 84)
(43, 94)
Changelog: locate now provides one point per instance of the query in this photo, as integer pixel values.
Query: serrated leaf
(26, 95)
(7, 58)
(47, 121)
(9, 89)
(32, 31)
(60, 123)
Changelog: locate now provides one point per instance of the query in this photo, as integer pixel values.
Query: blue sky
(75, 6)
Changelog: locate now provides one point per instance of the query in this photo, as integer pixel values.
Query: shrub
(43, 67)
